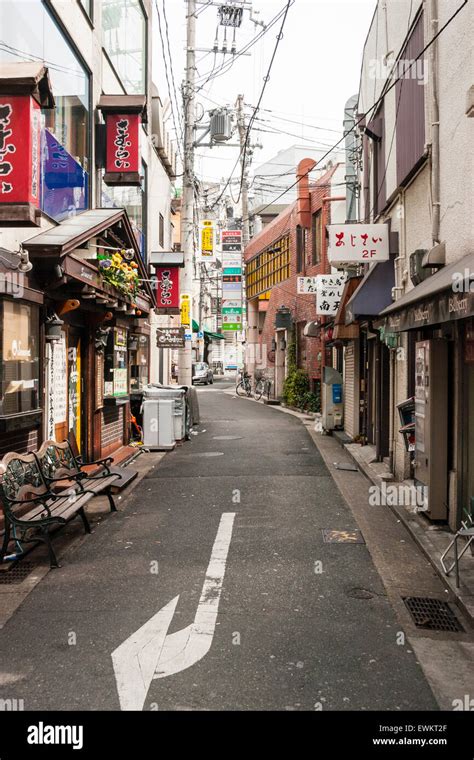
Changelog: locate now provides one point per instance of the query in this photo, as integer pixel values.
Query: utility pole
(243, 159)
(244, 197)
(187, 210)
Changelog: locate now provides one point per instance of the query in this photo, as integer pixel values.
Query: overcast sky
(315, 71)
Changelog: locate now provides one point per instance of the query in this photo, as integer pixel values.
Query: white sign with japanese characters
(329, 288)
(358, 242)
(306, 285)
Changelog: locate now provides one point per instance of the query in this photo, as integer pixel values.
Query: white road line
(184, 648)
(151, 652)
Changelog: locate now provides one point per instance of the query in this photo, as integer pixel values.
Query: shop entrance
(65, 388)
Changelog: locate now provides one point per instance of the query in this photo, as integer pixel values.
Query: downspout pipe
(435, 170)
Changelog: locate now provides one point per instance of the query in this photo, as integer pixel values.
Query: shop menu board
(116, 367)
(57, 386)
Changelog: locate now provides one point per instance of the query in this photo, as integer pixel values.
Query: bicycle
(244, 388)
(262, 387)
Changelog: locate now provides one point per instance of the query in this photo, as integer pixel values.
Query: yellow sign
(207, 239)
(185, 309)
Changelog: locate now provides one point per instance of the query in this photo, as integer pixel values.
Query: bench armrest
(104, 462)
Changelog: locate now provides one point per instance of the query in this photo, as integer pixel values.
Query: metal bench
(61, 468)
(31, 509)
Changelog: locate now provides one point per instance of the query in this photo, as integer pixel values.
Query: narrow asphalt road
(292, 631)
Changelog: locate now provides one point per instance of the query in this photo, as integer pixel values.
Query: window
(132, 199)
(300, 248)
(377, 129)
(409, 97)
(268, 268)
(19, 366)
(28, 32)
(316, 235)
(161, 232)
(115, 364)
(124, 39)
(139, 363)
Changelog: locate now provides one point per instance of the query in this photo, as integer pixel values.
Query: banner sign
(358, 242)
(185, 309)
(231, 240)
(231, 278)
(123, 145)
(306, 285)
(231, 310)
(235, 302)
(167, 289)
(231, 286)
(207, 241)
(170, 337)
(20, 150)
(329, 289)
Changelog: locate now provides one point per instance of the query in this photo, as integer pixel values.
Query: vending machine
(332, 402)
(431, 424)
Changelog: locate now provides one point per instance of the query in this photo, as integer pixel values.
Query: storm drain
(432, 614)
(16, 573)
(342, 537)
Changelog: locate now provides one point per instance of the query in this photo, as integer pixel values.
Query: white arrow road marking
(183, 648)
(151, 652)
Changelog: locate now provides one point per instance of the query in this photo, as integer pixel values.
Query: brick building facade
(293, 244)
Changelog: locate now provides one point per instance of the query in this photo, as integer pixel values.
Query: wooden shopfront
(90, 368)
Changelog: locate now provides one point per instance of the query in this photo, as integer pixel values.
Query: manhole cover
(226, 437)
(432, 614)
(343, 537)
(16, 573)
(360, 593)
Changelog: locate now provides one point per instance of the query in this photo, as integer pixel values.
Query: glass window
(28, 33)
(115, 364)
(19, 366)
(138, 362)
(124, 39)
(132, 199)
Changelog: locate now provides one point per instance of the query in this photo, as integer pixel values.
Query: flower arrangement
(119, 273)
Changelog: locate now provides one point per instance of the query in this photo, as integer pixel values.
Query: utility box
(431, 425)
(158, 424)
(332, 401)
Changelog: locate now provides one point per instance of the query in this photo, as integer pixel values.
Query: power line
(171, 64)
(243, 151)
(179, 134)
(374, 106)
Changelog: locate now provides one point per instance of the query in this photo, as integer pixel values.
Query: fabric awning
(373, 294)
(445, 296)
(210, 335)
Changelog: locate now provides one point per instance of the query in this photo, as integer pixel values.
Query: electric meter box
(332, 400)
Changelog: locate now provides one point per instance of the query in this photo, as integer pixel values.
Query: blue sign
(64, 183)
(337, 393)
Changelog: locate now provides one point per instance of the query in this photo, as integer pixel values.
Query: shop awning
(373, 294)
(341, 330)
(210, 335)
(446, 295)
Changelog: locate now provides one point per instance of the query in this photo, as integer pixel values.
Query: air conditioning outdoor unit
(418, 273)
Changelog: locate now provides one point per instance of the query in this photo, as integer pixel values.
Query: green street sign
(233, 310)
(231, 327)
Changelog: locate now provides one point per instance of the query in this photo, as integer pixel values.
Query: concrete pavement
(293, 631)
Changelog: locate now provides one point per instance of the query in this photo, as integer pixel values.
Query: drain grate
(16, 573)
(432, 614)
(342, 537)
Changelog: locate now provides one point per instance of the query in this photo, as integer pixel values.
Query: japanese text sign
(207, 241)
(358, 242)
(123, 143)
(167, 288)
(231, 240)
(20, 149)
(306, 285)
(329, 289)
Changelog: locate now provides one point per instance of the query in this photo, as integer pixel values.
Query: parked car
(202, 373)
